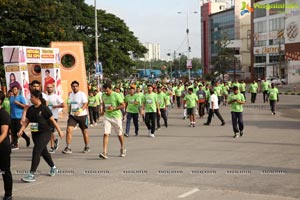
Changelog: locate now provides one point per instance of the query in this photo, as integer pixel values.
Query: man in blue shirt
(17, 104)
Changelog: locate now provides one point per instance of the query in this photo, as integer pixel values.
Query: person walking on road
(112, 103)
(236, 100)
(265, 85)
(150, 106)
(214, 109)
(273, 94)
(191, 101)
(17, 105)
(78, 115)
(201, 94)
(253, 90)
(5, 150)
(132, 111)
(38, 116)
(162, 99)
(55, 102)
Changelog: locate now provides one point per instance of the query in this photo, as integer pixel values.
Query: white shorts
(116, 123)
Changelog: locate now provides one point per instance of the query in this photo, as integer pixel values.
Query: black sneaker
(86, 150)
(223, 123)
(206, 124)
(67, 150)
(52, 150)
(241, 133)
(126, 134)
(103, 155)
(7, 198)
(56, 144)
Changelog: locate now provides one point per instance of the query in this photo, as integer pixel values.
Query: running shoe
(86, 150)
(67, 150)
(52, 150)
(53, 171)
(103, 155)
(29, 178)
(122, 152)
(56, 144)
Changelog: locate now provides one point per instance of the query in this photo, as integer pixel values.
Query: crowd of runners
(112, 104)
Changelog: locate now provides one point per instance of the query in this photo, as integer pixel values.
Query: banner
(189, 64)
(17, 75)
(98, 71)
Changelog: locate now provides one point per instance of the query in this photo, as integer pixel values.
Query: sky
(158, 21)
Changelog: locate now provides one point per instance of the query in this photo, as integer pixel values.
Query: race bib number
(131, 101)
(74, 107)
(107, 106)
(34, 127)
(201, 96)
(149, 101)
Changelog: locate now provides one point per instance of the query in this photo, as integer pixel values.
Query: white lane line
(189, 193)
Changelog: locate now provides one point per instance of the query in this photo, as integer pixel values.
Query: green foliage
(225, 57)
(37, 23)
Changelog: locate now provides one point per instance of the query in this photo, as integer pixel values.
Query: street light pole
(188, 39)
(96, 38)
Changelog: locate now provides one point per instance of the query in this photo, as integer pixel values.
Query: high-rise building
(218, 18)
(153, 51)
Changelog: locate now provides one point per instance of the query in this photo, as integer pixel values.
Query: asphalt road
(181, 162)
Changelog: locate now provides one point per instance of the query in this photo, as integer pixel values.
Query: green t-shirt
(140, 97)
(93, 101)
(133, 103)
(161, 98)
(191, 100)
(265, 86)
(150, 101)
(6, 105)
(225, 90)
(217, 90)
(243, 87)
(168, 98)
(273, 93)
(114, 100)
(178, 91)
(235, 106)
(98, 97)
(253, 87)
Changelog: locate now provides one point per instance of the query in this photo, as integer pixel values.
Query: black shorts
(81, 120)
(52, 128)
(191, 111)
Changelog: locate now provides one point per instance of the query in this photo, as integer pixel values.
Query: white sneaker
(149, 132)
(152, 135)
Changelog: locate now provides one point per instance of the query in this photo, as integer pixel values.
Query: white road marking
(189, 193)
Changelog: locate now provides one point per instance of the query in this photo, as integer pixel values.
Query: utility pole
(96, 42)
(280, 36)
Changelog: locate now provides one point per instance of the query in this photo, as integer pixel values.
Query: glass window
(259, 13)
(260, 58)
(277, 7)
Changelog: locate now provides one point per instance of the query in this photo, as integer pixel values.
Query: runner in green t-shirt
(112, 103)
(253, 90)
(273, 97)
(191, 101)
(92, 107)
(132, 101)
(265, 85)
(236, 100)
(150, 106)
(162, 103)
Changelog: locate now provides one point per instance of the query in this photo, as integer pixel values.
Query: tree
(225, 57)
(37, 23)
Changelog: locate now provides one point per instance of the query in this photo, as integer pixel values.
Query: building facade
(153, 51)
(276, 39)
(237, 27)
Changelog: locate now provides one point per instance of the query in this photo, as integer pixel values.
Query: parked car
(277, 81)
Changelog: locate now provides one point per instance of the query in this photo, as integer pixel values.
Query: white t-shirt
(214, 99)
(54, 100)
(77, 100)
